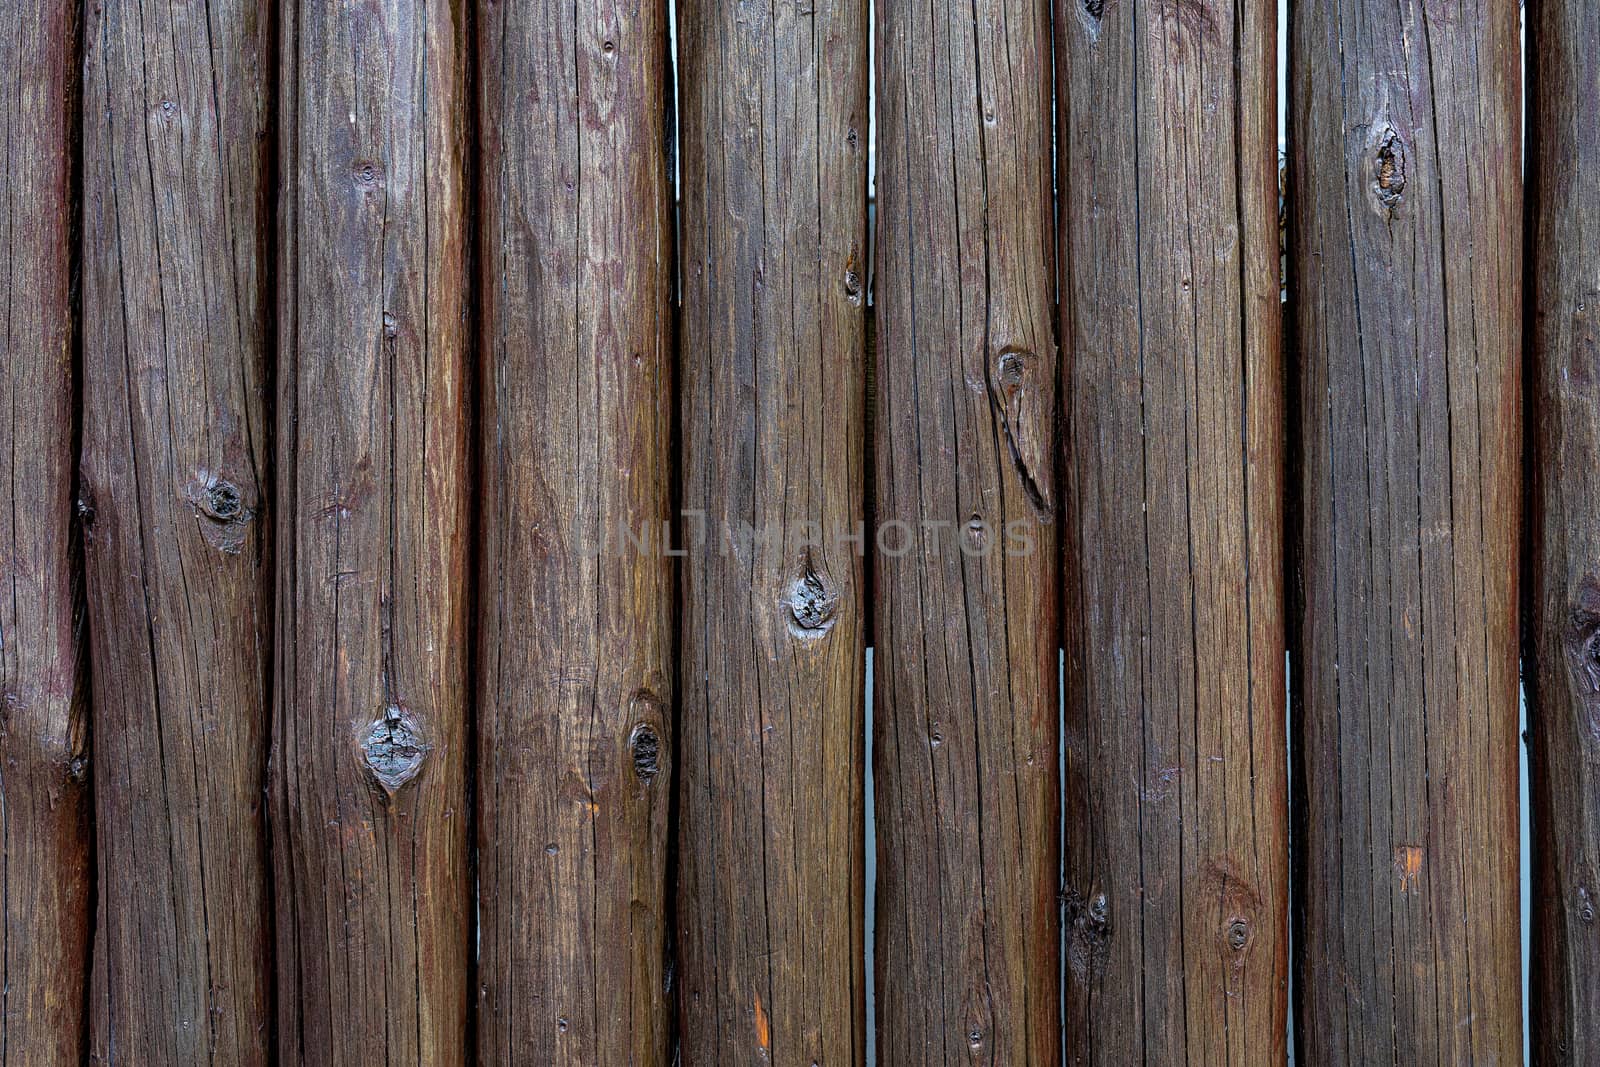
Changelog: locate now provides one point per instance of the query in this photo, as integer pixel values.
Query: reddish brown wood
(1562, 642)
(966, 712)
(774, 241)
(44, 830)
(574, 746)
(1407, 283)
(1176, 842)
(369, 799)
(175, 461)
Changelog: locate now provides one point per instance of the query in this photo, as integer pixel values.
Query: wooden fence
(459, 454)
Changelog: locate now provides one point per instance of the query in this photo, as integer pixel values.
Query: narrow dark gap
(1062, 472)
(474, 355)
(669, 942)
(1294, 601)
(869, 570)
(75, 553)
(1530, 533)
(1293, 525)
(271, 211)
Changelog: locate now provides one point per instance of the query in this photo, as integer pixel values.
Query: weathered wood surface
(176, 483)
(374, 902)
(966, 707)
(1407, 287)
(1562, 642)
(1176, 849)
(44, 802)
(576, 591)
(774, 149)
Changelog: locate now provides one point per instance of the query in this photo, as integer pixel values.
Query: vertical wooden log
(774, 246)
(574, 777)
(369, 815)
(1563, 638)
(1407, 290)
(175, 463)
(1173, 532)
(44, 829)
(966, 722)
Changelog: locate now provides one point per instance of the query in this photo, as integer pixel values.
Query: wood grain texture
(369, 798)
(574, 772)
(1407, 285)
(44, 803)
(966, 717)
(1562, 637)
(771, 859)
(1176, 845)
(175, 470)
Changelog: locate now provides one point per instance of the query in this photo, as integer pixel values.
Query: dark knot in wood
(393, 749)
(226, 509)
(812, 604)
(222, 501)
(645, 746)
(1389, 182)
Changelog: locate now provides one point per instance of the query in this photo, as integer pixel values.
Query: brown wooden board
(44, 759)
(575, 617)
(770, 888)
(1562, 640)
(1406, 279)
(369, 803)
(176, 440)
(966, 710)
(1175, 825)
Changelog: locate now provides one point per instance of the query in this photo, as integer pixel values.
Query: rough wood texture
(966, 712)
(774, 245)
(44, 851)
(1562, 641)
(369, 800)
(574, 772)
(1176, 872)
(175, 462)
(1406, 213)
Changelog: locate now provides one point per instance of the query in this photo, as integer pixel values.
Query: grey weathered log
(1406, 280)
(1176, 838)
(44, 759)
(774, 151)
(966, 718)
(176, 445)
(1562, 640)
(574, 768)
(369, 801)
